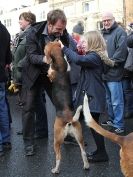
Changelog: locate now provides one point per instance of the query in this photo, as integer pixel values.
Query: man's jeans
(4, 117)
(115, 103)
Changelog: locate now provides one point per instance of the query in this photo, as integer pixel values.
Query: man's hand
(51, 74)
(47, 60)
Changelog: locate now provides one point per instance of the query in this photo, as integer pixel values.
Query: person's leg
(41, 123)
(4, 117)
(99, 155)
(117, 100)
(28, 120)
(109, 103)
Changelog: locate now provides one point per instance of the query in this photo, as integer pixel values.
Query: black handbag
(128, 99)
(129, 61)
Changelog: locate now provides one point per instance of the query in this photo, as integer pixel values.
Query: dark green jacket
(18, 53)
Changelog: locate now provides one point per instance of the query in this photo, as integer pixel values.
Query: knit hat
(131, 25)
(79, 28)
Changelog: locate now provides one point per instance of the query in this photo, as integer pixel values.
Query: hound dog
(125, 142)
(65, 122)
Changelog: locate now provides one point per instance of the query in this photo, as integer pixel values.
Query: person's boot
(100, 155)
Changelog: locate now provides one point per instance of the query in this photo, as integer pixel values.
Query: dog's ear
(47, 50)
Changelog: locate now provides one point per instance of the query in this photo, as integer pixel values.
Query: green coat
(18, 53)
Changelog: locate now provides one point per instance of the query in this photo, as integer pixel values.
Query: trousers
(29, 108)
(115, 103)
(4, 116)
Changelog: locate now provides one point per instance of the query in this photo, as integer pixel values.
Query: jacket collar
(107, 31)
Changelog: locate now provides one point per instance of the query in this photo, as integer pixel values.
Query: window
(99, 25)
(7, 22)
(69, 10)
(42, 15)
(1, 12)
(86, 6)
(89, 6)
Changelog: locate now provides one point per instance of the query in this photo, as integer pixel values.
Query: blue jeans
(4, 116)
(115, 103)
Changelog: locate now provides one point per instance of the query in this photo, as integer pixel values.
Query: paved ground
(15, 164)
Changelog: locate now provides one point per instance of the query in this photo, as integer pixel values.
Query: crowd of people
(96, 59)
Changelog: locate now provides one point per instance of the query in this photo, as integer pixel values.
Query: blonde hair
(95, 42)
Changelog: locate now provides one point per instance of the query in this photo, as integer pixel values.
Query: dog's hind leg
(58, 140)
(77, 132)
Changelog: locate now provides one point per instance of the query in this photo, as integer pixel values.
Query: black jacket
(34, 64)
(5, 53)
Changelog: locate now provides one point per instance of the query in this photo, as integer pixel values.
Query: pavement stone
(16, 164)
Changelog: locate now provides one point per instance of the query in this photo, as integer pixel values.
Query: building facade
(87, 11)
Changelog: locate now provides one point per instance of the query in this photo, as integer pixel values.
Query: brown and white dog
(125, 142)
(65, 123)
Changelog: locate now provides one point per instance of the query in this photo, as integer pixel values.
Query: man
(115, 37)
(35, 69)
(5, 60)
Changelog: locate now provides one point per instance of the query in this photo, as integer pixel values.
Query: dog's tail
(77, 114)
(93, 124)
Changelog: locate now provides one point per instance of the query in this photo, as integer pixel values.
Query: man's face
(56, 29)
(107, 22)
(23, 23)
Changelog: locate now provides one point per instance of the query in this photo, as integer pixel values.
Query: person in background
(90, 81)
(5, 60)
(74, 40)
(115, 38)
(26, 19)
(74, 71)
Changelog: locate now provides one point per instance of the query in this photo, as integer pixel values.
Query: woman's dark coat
(90, 79)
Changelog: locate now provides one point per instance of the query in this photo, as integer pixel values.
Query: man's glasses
(108, 20)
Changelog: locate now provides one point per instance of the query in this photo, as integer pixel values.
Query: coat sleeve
(33, 49)
(89, 60)
(121, 51)
(8, 53)
(130, 40)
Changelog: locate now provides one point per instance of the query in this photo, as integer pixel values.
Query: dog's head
(48, 50)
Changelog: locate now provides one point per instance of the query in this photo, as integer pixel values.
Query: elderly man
(115, 37)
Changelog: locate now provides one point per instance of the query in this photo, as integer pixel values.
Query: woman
(92, 67)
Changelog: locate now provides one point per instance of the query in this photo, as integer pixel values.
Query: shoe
(91, 153)
(119, 130)
(30, 150)
(37, 136)
(107, 123)
(97, 157)
(19, 132)
(7, 146)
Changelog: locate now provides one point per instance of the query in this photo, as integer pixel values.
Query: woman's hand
(61, 44)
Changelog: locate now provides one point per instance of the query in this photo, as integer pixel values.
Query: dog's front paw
(86, 166)
(55, 170)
